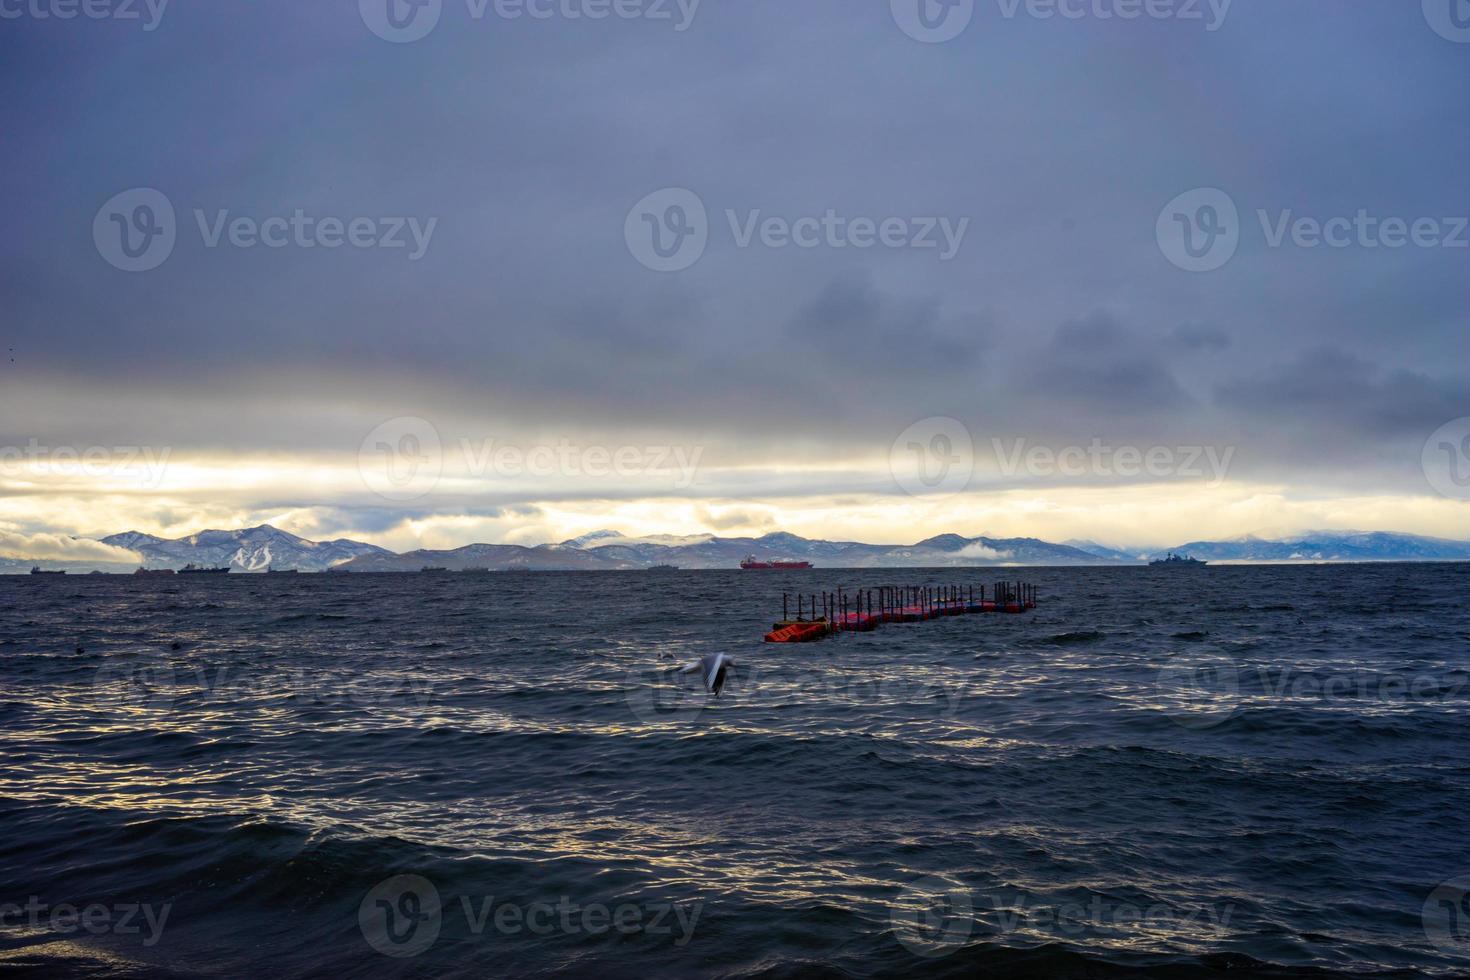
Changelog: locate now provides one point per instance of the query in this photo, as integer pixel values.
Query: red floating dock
(821, 614)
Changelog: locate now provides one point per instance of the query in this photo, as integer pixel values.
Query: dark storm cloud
(530, 141)
(851, 316)
(1096, 365)
(1329, 392)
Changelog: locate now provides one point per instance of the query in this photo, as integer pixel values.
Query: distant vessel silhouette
(153, 572)
(663, 568)
(37, 571)
(1174, 559)
(752, 562)
(192, 569)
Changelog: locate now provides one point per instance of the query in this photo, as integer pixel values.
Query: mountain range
(258, 549)
(254, 549)
(1319, 546)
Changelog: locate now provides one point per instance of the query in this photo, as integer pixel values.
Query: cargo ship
(751, 562)
(192, 569)
(39, 571)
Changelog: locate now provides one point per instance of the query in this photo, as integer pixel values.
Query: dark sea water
(1215, 772)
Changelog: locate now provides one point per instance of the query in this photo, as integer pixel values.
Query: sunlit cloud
(327, 497)
(57, 547)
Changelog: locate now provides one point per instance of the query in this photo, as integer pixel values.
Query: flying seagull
(712, 669)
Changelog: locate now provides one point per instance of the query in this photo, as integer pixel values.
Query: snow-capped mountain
(494, 557)
(1318, 546)
(609, 550)
(253, 549)
(1103, 551)
(260, 548)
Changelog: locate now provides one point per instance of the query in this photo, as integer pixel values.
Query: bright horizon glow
(327, 498)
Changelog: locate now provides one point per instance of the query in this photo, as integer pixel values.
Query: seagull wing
(719, 670)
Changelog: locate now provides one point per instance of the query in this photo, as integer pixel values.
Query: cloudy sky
(514, 270)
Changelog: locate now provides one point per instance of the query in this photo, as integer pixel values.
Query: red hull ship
(752, 563)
